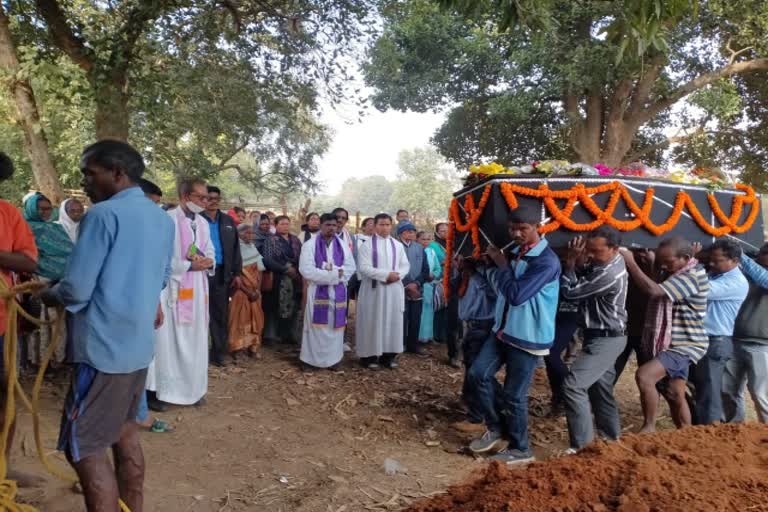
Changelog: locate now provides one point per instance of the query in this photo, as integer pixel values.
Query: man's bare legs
(102, 486)
(129, 467)
(678, 405)
(646, 377)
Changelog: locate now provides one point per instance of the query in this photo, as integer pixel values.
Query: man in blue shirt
(229, 264)
(523, 331)
(476, 302)
(111, 286)
(727, 290)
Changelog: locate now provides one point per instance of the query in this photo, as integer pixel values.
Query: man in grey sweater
(414, 285)
(601, 292)
(749, 365)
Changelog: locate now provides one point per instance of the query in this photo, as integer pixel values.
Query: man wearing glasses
(229, 264)
(179, 372)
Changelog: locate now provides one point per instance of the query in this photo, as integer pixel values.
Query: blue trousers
(707, 378)
(507, 414)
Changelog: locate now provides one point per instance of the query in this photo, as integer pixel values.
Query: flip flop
(161, 427)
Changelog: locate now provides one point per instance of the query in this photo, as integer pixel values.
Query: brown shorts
(97, 406)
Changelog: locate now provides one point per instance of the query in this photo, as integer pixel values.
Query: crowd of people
(155, 295)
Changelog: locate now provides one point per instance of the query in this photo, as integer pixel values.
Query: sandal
(161, 427)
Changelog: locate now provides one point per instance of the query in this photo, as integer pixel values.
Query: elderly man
(674, 326)
(179, 372)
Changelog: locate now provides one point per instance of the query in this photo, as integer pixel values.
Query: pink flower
(604, 170)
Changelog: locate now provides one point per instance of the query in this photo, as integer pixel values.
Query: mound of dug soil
(714, 468)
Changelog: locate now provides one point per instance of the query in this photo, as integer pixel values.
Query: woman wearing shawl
(282, 303)
(71, 212)
(326, 265)
(246, 319)
(53, 242)
(426, 328)
(261, 233)
(311, 226)
(54, 246)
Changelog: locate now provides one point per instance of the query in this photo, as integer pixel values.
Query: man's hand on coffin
(496, 255)
(576, 252)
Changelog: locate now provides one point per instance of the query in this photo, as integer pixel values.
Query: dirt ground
(274, 438)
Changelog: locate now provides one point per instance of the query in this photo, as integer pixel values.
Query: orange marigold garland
(583, 195)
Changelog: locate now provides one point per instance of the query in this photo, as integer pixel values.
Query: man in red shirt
(18, 253)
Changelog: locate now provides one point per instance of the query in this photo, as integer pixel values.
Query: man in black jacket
(228, 266)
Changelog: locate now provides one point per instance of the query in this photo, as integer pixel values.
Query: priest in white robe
(382, 264)
(179, 372)
(326, 264)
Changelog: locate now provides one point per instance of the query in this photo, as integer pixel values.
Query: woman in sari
(246, 318)
(54, 247)
(426, 328)
(283, 303)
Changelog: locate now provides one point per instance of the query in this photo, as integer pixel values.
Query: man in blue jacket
(524, 329)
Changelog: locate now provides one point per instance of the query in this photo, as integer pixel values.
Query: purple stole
(322, 300)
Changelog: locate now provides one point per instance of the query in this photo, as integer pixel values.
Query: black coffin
(493, 226)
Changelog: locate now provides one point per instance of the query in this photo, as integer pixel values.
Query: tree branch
(645, 85)
(62, 34)
(699, 82)
(224, 161)
(675, 139)
(136, 21)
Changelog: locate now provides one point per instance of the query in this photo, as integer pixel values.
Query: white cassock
(322, 346)
(379, 322)
(179, 372)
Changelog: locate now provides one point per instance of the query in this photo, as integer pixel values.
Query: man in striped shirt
(686, 286)
(601, 292)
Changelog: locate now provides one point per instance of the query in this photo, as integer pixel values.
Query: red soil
(714, 468)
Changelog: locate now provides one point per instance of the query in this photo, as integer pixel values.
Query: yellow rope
(8, 488)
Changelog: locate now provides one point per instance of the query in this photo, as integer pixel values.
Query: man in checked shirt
(601, 291)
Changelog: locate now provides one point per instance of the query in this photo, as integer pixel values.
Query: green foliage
(425, 184)
(215, 89)
(518, 90)
(369, 195)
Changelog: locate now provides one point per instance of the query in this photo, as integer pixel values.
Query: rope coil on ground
(8, 488)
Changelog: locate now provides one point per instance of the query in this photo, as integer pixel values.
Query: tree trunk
(46, 177)
(112, 117)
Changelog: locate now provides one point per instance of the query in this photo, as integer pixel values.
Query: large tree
(27, 114)
(590, 80)
(200, 87)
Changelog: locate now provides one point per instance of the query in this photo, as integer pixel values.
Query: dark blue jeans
(707, 379)
(477, 333)
(509, 414)
(557, 371)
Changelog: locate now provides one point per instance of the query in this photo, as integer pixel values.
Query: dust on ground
(274, 438)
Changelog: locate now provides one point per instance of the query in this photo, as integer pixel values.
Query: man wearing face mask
(179, 372)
